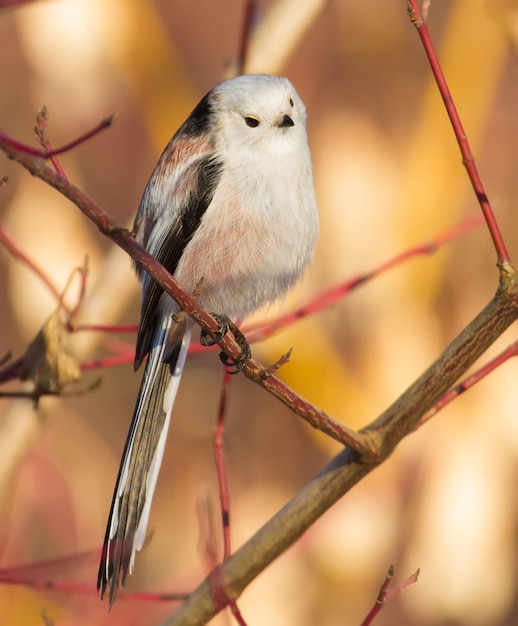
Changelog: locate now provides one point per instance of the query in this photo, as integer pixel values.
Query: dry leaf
(47, 361)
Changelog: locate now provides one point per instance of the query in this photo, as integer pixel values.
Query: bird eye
(291, 102)
(252, 121)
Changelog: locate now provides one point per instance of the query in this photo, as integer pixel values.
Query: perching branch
(346, 469)
(123, 238)
(369, 448)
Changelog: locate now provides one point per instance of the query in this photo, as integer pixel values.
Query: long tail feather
(141, 460)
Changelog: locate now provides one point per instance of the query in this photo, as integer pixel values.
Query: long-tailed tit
(230, 211)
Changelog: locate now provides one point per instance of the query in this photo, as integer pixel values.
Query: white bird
(230, 211)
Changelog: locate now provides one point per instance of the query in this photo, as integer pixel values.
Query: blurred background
(388, 176)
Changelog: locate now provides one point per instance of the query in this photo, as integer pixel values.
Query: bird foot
(226, 325)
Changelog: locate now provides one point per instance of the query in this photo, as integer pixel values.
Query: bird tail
(141, 460)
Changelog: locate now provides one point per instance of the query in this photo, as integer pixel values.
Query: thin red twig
(219, 457)
(106, 328)
(108, 361)
(41, 575)
(236, 613)
(469, 382)
(381, 599)
(387, 592)
(19, 255)
(83, 273)
(468, 159)
(46, 154)
(91, 590)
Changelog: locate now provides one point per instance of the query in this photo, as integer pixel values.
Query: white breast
(256, 236)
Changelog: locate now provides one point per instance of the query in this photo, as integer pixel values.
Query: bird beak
(285, 122)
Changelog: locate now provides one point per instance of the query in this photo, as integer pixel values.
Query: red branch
(18, 254)
(42, 575)
(469, 382)
(219, 456)
(46, 154)
(468, 159)
(387, 592)
(40, 131)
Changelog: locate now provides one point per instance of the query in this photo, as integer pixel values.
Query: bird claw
(210, 339)
(226, 325)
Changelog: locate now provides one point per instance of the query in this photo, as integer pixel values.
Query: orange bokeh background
(388, 176)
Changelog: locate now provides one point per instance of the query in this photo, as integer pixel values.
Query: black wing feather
(180, 233)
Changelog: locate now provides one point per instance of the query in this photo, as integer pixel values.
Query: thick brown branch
(371, 447)
(253, 370)
(398, 420)
(345, 470)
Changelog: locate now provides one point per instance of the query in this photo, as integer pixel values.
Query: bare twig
(40, 130)
(19, 255)
(46, 154)
(469, 382)
(468, 160)
(219, 456)
(387, 592)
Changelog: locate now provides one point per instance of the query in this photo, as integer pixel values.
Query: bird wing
(190, 188)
